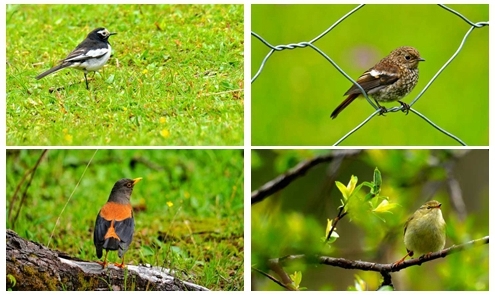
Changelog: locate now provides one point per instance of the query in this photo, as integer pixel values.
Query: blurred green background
(188, 208)
(293, 220)
(298, 89)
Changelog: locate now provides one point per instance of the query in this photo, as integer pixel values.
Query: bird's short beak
(421, 59)
(136, 180)
(112, 34)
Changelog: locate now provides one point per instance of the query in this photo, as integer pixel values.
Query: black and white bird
(89, 56)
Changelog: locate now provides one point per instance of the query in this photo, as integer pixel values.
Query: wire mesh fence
(310, 44)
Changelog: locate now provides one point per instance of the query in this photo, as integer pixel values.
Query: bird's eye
(129, 184)
(408, 57)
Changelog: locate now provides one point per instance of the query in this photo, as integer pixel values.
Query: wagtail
(89, 56)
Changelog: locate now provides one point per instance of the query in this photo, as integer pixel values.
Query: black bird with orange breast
(114, 226)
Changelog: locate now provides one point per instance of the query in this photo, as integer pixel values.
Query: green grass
(175, 78)
(188, 208)
(298, 89)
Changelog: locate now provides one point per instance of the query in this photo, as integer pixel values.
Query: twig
(31, 171)
(335, 221)
(383, 269)
(299, 170)
(271, 278)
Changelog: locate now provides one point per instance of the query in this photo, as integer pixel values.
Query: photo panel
(369, 220)
(418, 75)
(125, 75)
(125, 219)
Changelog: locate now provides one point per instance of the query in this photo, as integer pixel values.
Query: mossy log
(32, 266)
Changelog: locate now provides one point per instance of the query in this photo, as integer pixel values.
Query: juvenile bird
(114, 226)
(389, 80)
(89, 56)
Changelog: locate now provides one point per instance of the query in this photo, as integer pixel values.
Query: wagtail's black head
(100, 34)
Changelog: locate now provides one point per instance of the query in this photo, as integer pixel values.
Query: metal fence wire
(377, 109)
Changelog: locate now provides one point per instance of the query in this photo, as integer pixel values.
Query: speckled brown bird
(389, 80)
(114, 226)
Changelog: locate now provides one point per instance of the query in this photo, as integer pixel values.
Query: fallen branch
(35, 267)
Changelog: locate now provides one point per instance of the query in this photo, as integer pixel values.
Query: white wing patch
(90, 54)
(375, 73)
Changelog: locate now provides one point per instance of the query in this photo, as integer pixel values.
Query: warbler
(424, 231)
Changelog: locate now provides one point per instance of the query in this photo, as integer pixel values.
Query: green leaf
(369, 196)
(343, 189)
(349, 189)
(11, 279)
(359, 284)
(385, 207)
(377, 178)
(334, 236)
(352, 184)
(147, 251)
(329, 226)
(110, 79)
(296, 278)
(368, 184)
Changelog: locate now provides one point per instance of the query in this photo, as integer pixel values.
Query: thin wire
(444, 66)
(345, 74)
(356, 128)
(438, 128)
(336, 23)
(478, 25)
(73, 191)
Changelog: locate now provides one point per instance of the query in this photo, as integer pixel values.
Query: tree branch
(383, 269)
(273, 279)
(299, 170)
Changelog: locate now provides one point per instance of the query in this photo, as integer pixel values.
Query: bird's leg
(383, 109)
(104, 263)
(409, 253)
(405, 107)
(122, 265)
(86, 79)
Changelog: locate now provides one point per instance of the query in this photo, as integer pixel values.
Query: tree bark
(32, 266)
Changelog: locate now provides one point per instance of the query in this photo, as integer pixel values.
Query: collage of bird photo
(246, 146)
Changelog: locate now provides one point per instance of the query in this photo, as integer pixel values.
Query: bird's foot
(398, 262)
(103, 264)
(120, 265)
(425, 256)
(405, 107)
(383, 110)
